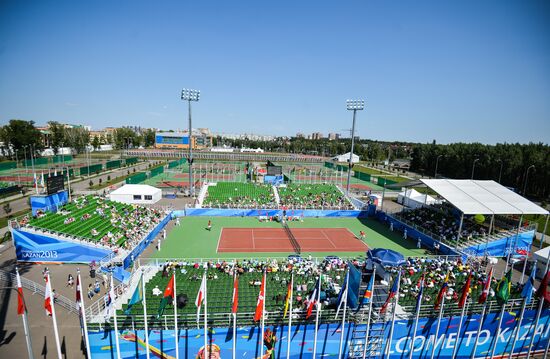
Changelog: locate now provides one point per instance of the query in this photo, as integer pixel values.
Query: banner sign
(222, 212)
(500, 248)
(49, 203)
(191, 341)
(32, 247)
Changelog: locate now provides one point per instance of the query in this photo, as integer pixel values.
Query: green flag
(504, 287)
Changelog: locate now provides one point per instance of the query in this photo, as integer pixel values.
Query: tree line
(507, 163)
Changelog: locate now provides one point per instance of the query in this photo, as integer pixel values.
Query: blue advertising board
(191, 341)
(49, 203)
(32, 247)
(501, 246)
(222, 212)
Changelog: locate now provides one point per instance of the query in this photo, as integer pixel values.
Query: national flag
(367, 296)
(260, 304)
(542, 292)
(522, 252)
(486, 287)
(420, 294)
(235, 300)
(504, 287)
(55, 172)
(201, 295)
(137, 297)
(34, 181)
(529, 286)
(341, 299)
(287, 298)
(42, 179)
(109, 301)
(20, 302)
(48, 297)
(312, 301)
(465, 291)
(168, 296)
(392, 293)
(442, 292)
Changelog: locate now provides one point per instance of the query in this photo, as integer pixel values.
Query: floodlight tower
(190, 95)
(353, 105)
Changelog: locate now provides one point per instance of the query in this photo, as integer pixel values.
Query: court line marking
(328, 239)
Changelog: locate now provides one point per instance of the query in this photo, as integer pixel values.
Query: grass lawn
(192, 240)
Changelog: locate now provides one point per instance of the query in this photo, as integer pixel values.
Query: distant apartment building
(316, 136)
(180, 140)
(299, 135)
(333, 136)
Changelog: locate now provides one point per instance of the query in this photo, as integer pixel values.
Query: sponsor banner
(49, 203)
(519, 245)
(32, 247)
(222, 212)
(161, 342)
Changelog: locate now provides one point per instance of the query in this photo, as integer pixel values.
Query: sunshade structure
(386, 257)
(482, 197)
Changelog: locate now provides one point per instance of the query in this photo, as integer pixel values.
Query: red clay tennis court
(279, 240)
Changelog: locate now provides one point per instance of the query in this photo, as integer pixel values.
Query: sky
(450, 71)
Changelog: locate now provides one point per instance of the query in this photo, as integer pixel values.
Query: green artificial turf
(192, 240)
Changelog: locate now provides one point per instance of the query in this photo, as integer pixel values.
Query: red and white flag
(201, 296)
(312, 301)
(235, 295)
(20, 302)
(48, 297)
(486, 288)
(260, 304)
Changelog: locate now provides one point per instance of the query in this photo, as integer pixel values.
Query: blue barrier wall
(501, 247)
(216, 212)
(49, 203)
(426, 240)
(145, 242)
(132, 343)
(31, 247)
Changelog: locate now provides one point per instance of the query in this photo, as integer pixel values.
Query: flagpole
(176, 317)
(368, 318)
(317, 310)
(145, 315)
(83, 313)
(25, 321)
(438, 324)
(56, 333)
(343, 326)
(206, 351)
(494, 344)
(234, 317)
(290, 316)
(539, 311)
(472, 356)
(388, 345)
(263, 313)
(455, 349)
(416, 319)
(518, 327)
(115, 319)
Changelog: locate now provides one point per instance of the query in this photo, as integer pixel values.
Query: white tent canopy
(414, 199)
(136, 194)
(482, 197)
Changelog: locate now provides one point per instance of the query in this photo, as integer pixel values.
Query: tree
(96, 143)
(19, 133)
(57, 138)
(123, 137)
(148, 138)
(77, 138)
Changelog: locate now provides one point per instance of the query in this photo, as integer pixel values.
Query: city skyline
(453, 72)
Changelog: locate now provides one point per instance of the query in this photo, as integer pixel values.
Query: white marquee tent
(413, 199)
(136, 194)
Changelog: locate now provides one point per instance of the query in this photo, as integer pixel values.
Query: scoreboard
(55, 184)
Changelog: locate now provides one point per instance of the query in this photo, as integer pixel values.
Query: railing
(62, 301)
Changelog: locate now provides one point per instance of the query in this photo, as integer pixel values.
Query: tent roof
(136, 189)
(482, 197)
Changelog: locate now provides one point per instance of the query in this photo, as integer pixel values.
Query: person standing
(163, 234)
(405, 233)
(209, 225)
(419, 243)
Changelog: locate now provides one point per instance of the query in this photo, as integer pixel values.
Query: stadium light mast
(500, 172)
(526, 177)
(436, 163)
(353, 105)
(474, 167)
(190, 95)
